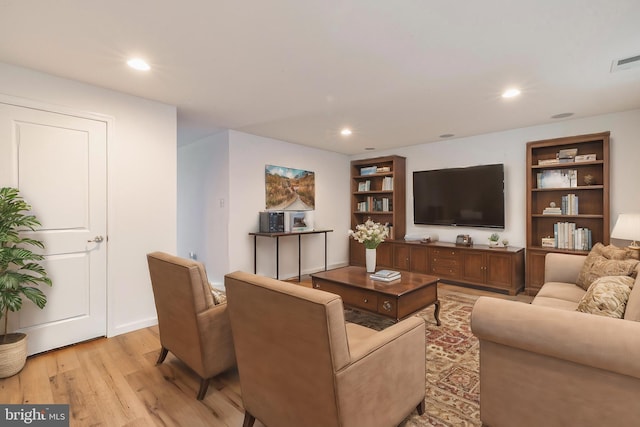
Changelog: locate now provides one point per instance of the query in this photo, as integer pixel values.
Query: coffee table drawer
(354, 297)
(388, 306)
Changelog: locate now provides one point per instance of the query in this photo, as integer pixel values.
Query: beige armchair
(192, 326)
(301, 364)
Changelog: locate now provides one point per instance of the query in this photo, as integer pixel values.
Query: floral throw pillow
(607, 296)
(219, 297)
(606, 261)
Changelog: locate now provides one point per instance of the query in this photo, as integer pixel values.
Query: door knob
(96, 239)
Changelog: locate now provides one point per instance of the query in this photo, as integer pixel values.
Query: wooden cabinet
(494, 268)
(479, 265)
(444, 262)
(588, 182)
(378, 187)
(500, 268)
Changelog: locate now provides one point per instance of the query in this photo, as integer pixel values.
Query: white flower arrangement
(370, 233)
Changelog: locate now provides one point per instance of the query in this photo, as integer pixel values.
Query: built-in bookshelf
(378, 187)
(567, 199)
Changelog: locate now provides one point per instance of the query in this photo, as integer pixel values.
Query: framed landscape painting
(288, 189)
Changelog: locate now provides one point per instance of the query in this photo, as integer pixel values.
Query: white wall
(141, 183)
(203, 194)
(509, 147)
(248, 155)
(202, 180)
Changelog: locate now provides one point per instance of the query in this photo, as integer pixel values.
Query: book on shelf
(369, 170)
(364, 185)
(544, 162)
(585, 158)
(552, 211)
(387, 183)
(568, 236)
(383, 169)
(569, 204)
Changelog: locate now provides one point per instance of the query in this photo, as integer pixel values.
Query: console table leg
(255, 255)
(277, 257)
(299, 253)
(436, 312)
(325, 251)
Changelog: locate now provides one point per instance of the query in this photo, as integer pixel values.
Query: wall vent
(625, 63)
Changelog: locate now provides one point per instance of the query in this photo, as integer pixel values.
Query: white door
(58, 162)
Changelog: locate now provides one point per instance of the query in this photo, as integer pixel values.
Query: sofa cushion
(607, 296)
(632, 312)
(606, 261)
(561, 291)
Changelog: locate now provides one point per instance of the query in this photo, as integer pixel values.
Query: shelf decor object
(579, 163)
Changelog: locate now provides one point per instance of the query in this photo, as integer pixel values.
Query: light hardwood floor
(115, 382)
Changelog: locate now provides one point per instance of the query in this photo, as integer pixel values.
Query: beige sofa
(546, 364)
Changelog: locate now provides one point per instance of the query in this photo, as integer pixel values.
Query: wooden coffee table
(396, 300)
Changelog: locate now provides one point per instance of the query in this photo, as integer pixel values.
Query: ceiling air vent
(625, 63)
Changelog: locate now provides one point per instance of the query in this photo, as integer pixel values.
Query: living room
(200, 197)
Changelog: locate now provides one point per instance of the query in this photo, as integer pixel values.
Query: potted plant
(20, 274)
(493, 239)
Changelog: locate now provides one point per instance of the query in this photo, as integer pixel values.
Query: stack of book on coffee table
(385, 275)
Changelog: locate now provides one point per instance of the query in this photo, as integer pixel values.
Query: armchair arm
(386, 377)
(562, 267)
(595, 341)
(216, 340)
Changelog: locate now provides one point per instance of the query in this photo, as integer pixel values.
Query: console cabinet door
(419, 259)
(384, 255)
(499, 270)
(401, 255)
(474, 266)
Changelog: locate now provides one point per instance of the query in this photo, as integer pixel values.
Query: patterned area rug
(453, 381)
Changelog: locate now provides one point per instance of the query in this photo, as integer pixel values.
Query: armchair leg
(248, 419)
(204, 385)
(421, 407)
(161, 357)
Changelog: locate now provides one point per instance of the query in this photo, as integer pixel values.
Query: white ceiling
(398, 72)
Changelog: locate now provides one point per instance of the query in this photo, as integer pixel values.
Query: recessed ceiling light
(138, 64)
(561, 115)
(510, 93)
(346, 132)
(446, 135)
(369, 148)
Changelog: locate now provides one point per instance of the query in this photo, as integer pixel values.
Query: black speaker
(271, 222)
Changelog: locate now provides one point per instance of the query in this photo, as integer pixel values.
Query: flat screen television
(470, 197)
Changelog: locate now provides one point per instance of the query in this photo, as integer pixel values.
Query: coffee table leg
(436, 312)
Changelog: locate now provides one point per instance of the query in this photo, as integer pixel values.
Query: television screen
(470, 197)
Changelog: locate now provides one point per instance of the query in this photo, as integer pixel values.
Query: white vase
(371, 260)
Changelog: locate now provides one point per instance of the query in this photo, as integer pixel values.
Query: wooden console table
(285, 234)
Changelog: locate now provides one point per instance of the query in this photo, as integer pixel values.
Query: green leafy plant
(494, 237)
(20, 271)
